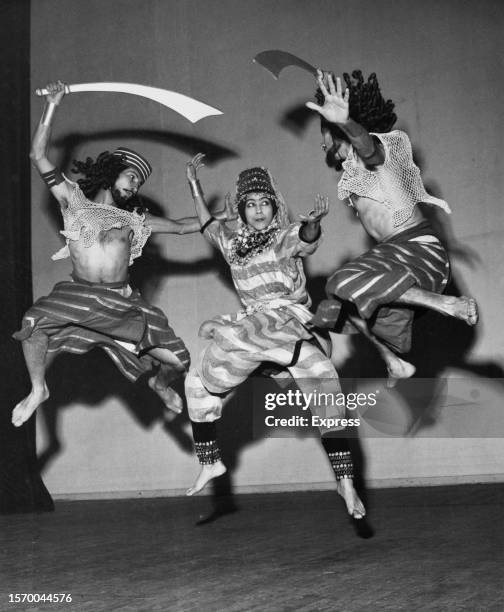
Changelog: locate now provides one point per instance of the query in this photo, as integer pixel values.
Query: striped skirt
(79, 316)
(240, 346)
(377, 278)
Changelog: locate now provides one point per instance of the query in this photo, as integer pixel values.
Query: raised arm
(204, 216)
(190, 225)
(336, 110)
(38, 152)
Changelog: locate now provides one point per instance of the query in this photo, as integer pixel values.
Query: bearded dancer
(105, 230)
(265, 258)
(409, 266)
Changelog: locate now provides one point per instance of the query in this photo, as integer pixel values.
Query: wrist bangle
(207, 223)
(48, 113)
(195, 188)
(302, 237)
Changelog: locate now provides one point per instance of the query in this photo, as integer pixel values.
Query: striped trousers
(80, 316)
(376, 279)
(312, 371)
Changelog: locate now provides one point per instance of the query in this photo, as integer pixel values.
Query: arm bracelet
(196, 190)
(52, 178)
(207, 223)
(302, 237)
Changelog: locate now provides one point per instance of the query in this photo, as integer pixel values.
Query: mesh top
(396, 183)
(84, 220)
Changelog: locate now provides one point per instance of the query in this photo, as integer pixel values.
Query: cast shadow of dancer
(242, 425)
(188, 145)
(439, 343)
(91, 378)
(442, 343)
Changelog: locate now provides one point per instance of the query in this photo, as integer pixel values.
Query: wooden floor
(433, 549)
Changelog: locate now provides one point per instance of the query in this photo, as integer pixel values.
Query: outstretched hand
(336, 107)
(320, 210)
(193, 166)
(56, 91)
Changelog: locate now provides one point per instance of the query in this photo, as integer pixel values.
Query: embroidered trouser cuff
(338, 451)
(205, 442)
(207, 452)
(342, 465)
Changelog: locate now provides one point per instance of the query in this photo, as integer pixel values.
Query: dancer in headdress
(105, 228)
(265, 255)
(374, 293)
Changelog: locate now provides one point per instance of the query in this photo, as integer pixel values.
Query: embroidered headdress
(248, 241)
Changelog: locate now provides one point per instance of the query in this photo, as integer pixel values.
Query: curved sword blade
(191, 109)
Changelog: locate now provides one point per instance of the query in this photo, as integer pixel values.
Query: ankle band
(342, 465)
(207, 452)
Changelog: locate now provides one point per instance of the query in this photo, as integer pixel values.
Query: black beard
(119, 199)
(129, 202)
(331, 160)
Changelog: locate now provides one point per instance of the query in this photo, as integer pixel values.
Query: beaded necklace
(249, 242)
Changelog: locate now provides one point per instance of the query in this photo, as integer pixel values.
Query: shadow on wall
(189, 145)
(150, 270)
(439, 343)
(90, 378)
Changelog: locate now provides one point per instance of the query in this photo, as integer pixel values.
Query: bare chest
(374, 216)
(378, 220)
(111, 246)
(122, 235)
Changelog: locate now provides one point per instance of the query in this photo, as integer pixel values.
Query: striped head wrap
(134, 160)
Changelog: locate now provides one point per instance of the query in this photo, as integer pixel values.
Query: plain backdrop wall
(441, 62)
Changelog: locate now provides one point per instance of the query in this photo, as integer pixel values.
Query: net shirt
(396, 183)
(84, 220)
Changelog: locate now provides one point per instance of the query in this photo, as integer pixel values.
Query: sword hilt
(44, 92)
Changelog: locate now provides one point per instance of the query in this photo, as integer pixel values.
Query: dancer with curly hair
(105, 229)
(374, 293)
(265, 255)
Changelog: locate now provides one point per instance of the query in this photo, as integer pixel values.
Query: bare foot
(170, 398)
(354, 505)
(208, 471)
(398, 368)
(467, 310)
(26, 407)
(463, 308)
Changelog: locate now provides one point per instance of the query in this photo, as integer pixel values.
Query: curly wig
(102, 174)
(367, 105)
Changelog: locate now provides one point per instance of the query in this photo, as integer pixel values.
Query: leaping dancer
(105, 230)
(373, 294)
(265, 256)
